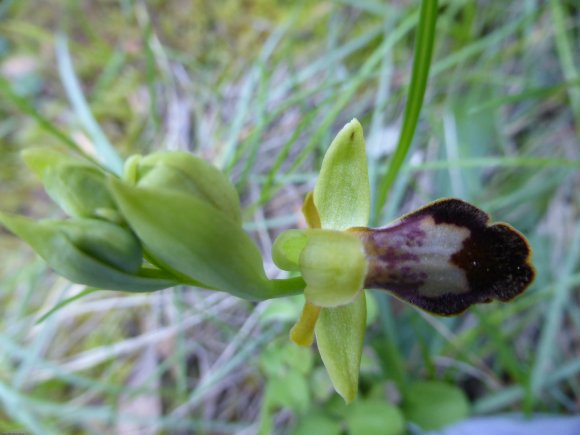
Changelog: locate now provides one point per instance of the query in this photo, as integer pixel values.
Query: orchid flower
(441, 258)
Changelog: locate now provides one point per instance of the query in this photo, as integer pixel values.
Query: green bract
(332, 261)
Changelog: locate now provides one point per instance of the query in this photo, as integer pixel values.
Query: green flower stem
(287, 287)
(421, 64)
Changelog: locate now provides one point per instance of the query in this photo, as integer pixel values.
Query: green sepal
(195, 239)
(90, 252)
(342, 191)
(79, 188)
(340, 337)
(183, 172)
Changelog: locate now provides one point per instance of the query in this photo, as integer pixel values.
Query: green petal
(342, 191)
(90, 252)
(333, 264)
(302, 333)
(195, 239)
(309, 211)
(186, 173)
(340, 338)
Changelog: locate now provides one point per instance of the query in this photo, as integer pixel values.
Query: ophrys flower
(442, 258)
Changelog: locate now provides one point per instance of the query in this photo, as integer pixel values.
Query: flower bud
(78, 187)
(106, 242)
(183, 172)
(89, 251)
(192, 238)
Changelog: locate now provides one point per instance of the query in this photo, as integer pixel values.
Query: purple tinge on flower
(445, 257)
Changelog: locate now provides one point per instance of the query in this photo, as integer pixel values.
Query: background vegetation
(260, 88)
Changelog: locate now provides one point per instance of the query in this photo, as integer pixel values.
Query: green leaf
(282, 356)
(290, 391)
(183, 172)
(421, 64)
(195, 239)
(282, 310)
(374, 417)
(340, 338)
(342, 191)
(433, 405)
(317, 423)
(91, 252)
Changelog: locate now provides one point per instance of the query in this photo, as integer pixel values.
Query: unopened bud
(185, 173)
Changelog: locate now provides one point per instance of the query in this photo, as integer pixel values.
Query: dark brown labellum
(446, 257)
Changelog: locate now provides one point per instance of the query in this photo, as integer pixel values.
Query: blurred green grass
(260, 88)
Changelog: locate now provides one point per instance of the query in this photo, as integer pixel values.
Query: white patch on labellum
(441, 242)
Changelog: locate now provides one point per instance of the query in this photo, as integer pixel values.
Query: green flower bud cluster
(94, 245)
(170, 218)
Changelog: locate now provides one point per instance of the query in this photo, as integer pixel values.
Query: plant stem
(287, 287)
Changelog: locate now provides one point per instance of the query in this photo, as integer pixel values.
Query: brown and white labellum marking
(445, 257)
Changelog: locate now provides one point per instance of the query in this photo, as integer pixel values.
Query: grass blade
(566, 54)
(103, 147)
(420, 75)
(548, 339)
